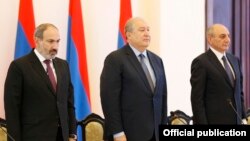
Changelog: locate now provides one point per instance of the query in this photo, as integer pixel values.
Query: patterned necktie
(228, 70)
(145, 69)
(50, 74)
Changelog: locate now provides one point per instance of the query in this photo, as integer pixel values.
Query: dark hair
(41, 28)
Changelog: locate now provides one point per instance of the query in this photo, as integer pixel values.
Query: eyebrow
(52, 40)
(224, 34)
(144, 27)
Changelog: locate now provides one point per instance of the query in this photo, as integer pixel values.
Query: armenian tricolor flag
(25, 29)
(125, 14)
(76, 57)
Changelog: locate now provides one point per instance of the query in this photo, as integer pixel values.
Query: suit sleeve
(71, 107)
(164, 99)
(241, 92)
(110, 94)
(12, 100)
(198, 83)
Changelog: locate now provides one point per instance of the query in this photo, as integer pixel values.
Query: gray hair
(129, 26)
(130, 23)
(210, 31)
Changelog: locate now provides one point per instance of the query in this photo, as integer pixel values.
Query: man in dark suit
(216, 79)
(38, 97)
(133, 88)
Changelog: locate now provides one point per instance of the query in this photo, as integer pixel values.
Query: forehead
(51, 32)
(218, 30)
(140, 23)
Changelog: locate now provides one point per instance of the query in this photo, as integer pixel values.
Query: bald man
(216, 79)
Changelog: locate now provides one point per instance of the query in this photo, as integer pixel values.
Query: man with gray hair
(133, 88)
(216, 79)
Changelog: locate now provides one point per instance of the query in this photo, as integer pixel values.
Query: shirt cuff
(118, 134)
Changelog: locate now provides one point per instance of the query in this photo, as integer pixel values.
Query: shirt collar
(137, 52)
(40, 57)
(217, 53)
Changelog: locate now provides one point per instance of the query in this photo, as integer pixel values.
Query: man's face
(220, 40)
(140, 36)
(48, 46)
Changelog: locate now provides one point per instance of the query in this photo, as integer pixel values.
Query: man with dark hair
(38, 93)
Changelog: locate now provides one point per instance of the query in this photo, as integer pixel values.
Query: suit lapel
(218, 65)
(37, 66)
(234, 66)
(136, 64)
(154, 67)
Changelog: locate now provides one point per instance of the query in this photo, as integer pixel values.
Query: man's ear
(209, 39)
(37, 40)
(127, 34)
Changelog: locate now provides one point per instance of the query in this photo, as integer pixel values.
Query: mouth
(53, 51)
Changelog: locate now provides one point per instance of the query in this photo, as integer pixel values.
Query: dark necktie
(228, 70)
(145, 69)
(50, 74)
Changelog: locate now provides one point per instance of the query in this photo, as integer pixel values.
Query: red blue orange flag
(76, 56)
(125, 14)
(25, 29)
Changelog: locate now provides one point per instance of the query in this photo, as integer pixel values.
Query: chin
(53, 56)
(146, 44)
(226, 48)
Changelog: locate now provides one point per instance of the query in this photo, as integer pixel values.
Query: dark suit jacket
(128, 103)
(212, 92)
(33, 110)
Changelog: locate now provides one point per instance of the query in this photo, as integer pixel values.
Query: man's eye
(53, 41)
(222, 36)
